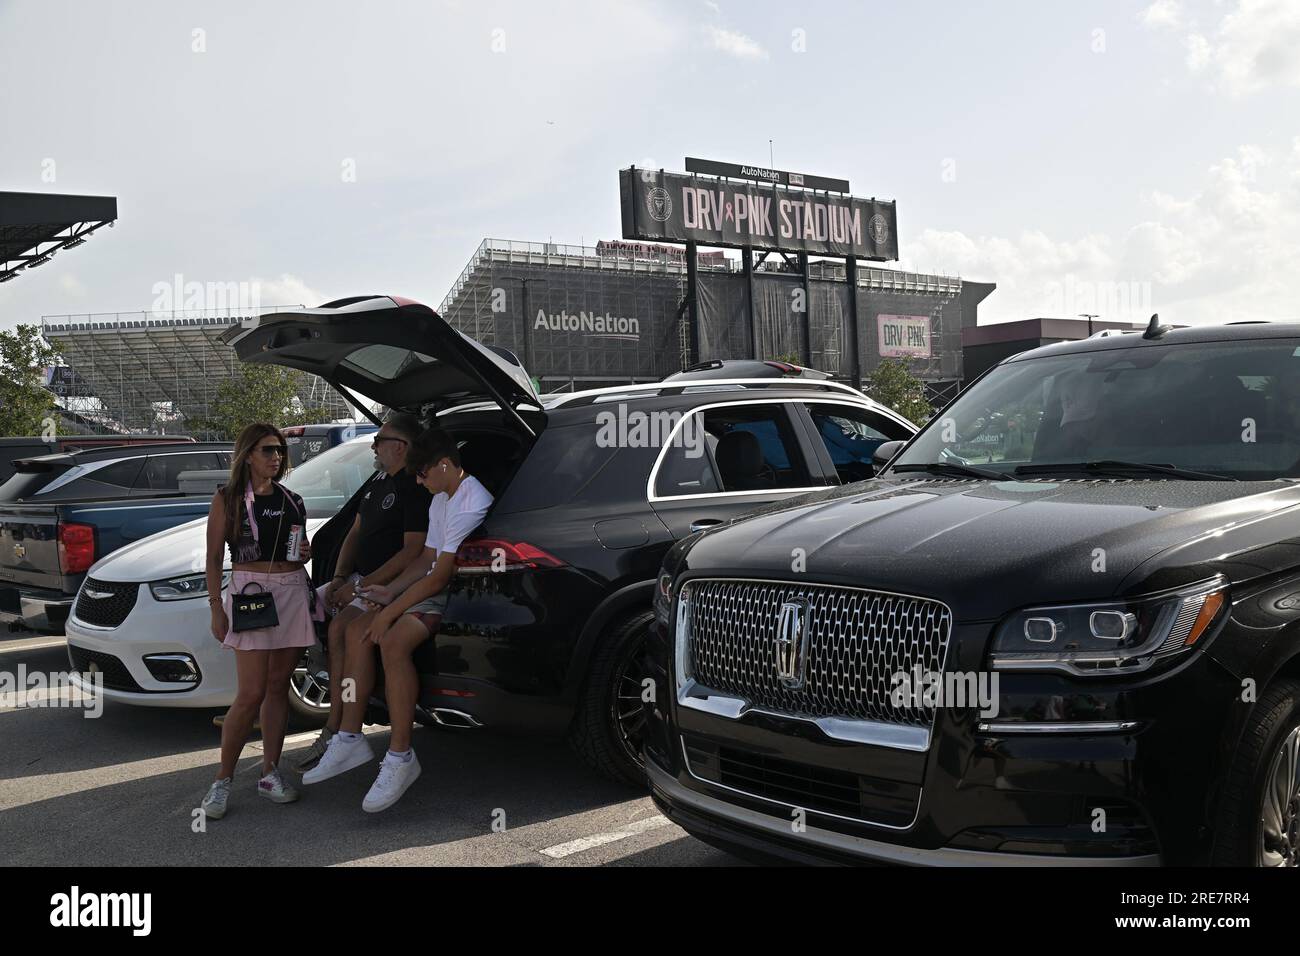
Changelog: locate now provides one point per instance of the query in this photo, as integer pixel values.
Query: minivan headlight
(186, 586)
(1110, 638)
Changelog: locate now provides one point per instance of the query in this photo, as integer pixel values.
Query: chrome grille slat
(859, 639)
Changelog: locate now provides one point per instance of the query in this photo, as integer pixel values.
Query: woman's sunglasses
(270, 451)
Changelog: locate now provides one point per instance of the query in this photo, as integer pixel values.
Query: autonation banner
(676, 207)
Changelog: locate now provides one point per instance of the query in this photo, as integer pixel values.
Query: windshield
(327, 481)
(1225, 408)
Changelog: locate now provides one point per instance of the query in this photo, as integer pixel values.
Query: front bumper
(1123, 774)
(43, 611)
(155, 629)
(732, 826)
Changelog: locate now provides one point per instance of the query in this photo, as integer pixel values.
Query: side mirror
(885, 451)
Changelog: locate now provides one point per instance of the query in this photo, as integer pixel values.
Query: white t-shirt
(451, 519)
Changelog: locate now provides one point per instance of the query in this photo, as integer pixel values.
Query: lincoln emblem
(792, 643)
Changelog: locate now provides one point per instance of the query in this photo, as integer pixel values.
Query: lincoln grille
(858, 641)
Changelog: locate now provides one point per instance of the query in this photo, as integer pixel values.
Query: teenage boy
(409, 611)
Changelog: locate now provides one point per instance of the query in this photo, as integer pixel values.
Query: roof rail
(677, 388)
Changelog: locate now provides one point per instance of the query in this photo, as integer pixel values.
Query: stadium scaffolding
(142, 372)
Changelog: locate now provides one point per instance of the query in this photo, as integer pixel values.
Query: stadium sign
(903, 336)
(590, 323)
(677, 207)
(709, 167)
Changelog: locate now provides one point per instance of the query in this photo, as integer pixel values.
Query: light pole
(1089, 316)
(525, 335)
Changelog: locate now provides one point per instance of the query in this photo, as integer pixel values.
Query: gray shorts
(429, 612)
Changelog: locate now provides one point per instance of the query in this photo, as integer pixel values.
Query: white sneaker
(214, 804)
(315, 751)
(340, 757)
(395, 775)
(273, 787)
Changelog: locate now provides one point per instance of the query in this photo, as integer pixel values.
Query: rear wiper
(953, 469)
(1116, 466)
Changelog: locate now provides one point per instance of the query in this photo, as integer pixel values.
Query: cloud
(71, 285)
(288, 290)
(1255, 47)
(1226, 251)
(1163, 13)
(735, 44)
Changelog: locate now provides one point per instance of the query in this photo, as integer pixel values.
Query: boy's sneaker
(340, 756)
(214, 804)
(315, 751)
(273, 787)
(395, 775)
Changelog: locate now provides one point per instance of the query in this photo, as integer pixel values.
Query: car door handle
(699, 524)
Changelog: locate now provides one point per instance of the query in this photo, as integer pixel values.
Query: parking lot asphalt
(122, 789)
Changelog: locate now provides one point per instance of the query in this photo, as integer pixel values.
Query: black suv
(591, 489)
(1063, 625)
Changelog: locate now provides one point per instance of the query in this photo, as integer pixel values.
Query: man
(409, 612)
(386, 536)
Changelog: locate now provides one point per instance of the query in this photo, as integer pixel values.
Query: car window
(121, 474)
(327, 481)
(852, 435)
(1228, 408)
(161, 473)
(733, 448)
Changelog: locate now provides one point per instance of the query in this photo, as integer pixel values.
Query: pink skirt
(292, 607)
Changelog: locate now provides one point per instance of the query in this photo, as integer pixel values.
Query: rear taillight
(785, 367)
(76, 547)
(488, 555)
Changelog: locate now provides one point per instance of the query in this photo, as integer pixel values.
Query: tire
(309, 701)
(609, 745)
(1269, 752)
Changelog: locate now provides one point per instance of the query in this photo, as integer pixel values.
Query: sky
(1108, 157)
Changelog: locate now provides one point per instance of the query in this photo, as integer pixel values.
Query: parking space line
(561, 850)
(30, 644)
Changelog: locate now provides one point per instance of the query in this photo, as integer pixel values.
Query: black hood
(988, 547)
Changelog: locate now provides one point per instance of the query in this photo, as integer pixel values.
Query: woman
(253, 515)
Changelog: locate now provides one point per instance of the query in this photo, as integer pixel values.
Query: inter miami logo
(879, 229)
(659, 204)
(388, 501)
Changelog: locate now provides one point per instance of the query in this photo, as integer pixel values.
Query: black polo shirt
(391, 507)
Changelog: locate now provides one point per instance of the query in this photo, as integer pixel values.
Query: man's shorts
(429, 612)
(331, 610)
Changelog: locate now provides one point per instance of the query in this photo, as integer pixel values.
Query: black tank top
(267, 512)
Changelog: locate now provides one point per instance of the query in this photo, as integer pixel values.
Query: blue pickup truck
(61, 513)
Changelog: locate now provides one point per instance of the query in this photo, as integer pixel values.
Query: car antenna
(1154, 328)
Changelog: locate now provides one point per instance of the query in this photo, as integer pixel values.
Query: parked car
(32, 445)
(141, 617)
(584, 509)
(307, 441)
(61, 513)
(1125, 562)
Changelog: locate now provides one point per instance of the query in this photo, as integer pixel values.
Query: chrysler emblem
(792, 643)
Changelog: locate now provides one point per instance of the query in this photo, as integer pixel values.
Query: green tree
(25, 402)
(257, 393)
(893, 384)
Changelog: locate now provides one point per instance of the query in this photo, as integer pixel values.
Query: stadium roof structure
(138, 370)
(34, 226)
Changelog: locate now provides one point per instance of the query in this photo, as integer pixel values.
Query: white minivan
(141, 619)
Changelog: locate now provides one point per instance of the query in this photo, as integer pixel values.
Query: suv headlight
(1111, 638)
(186, 586)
